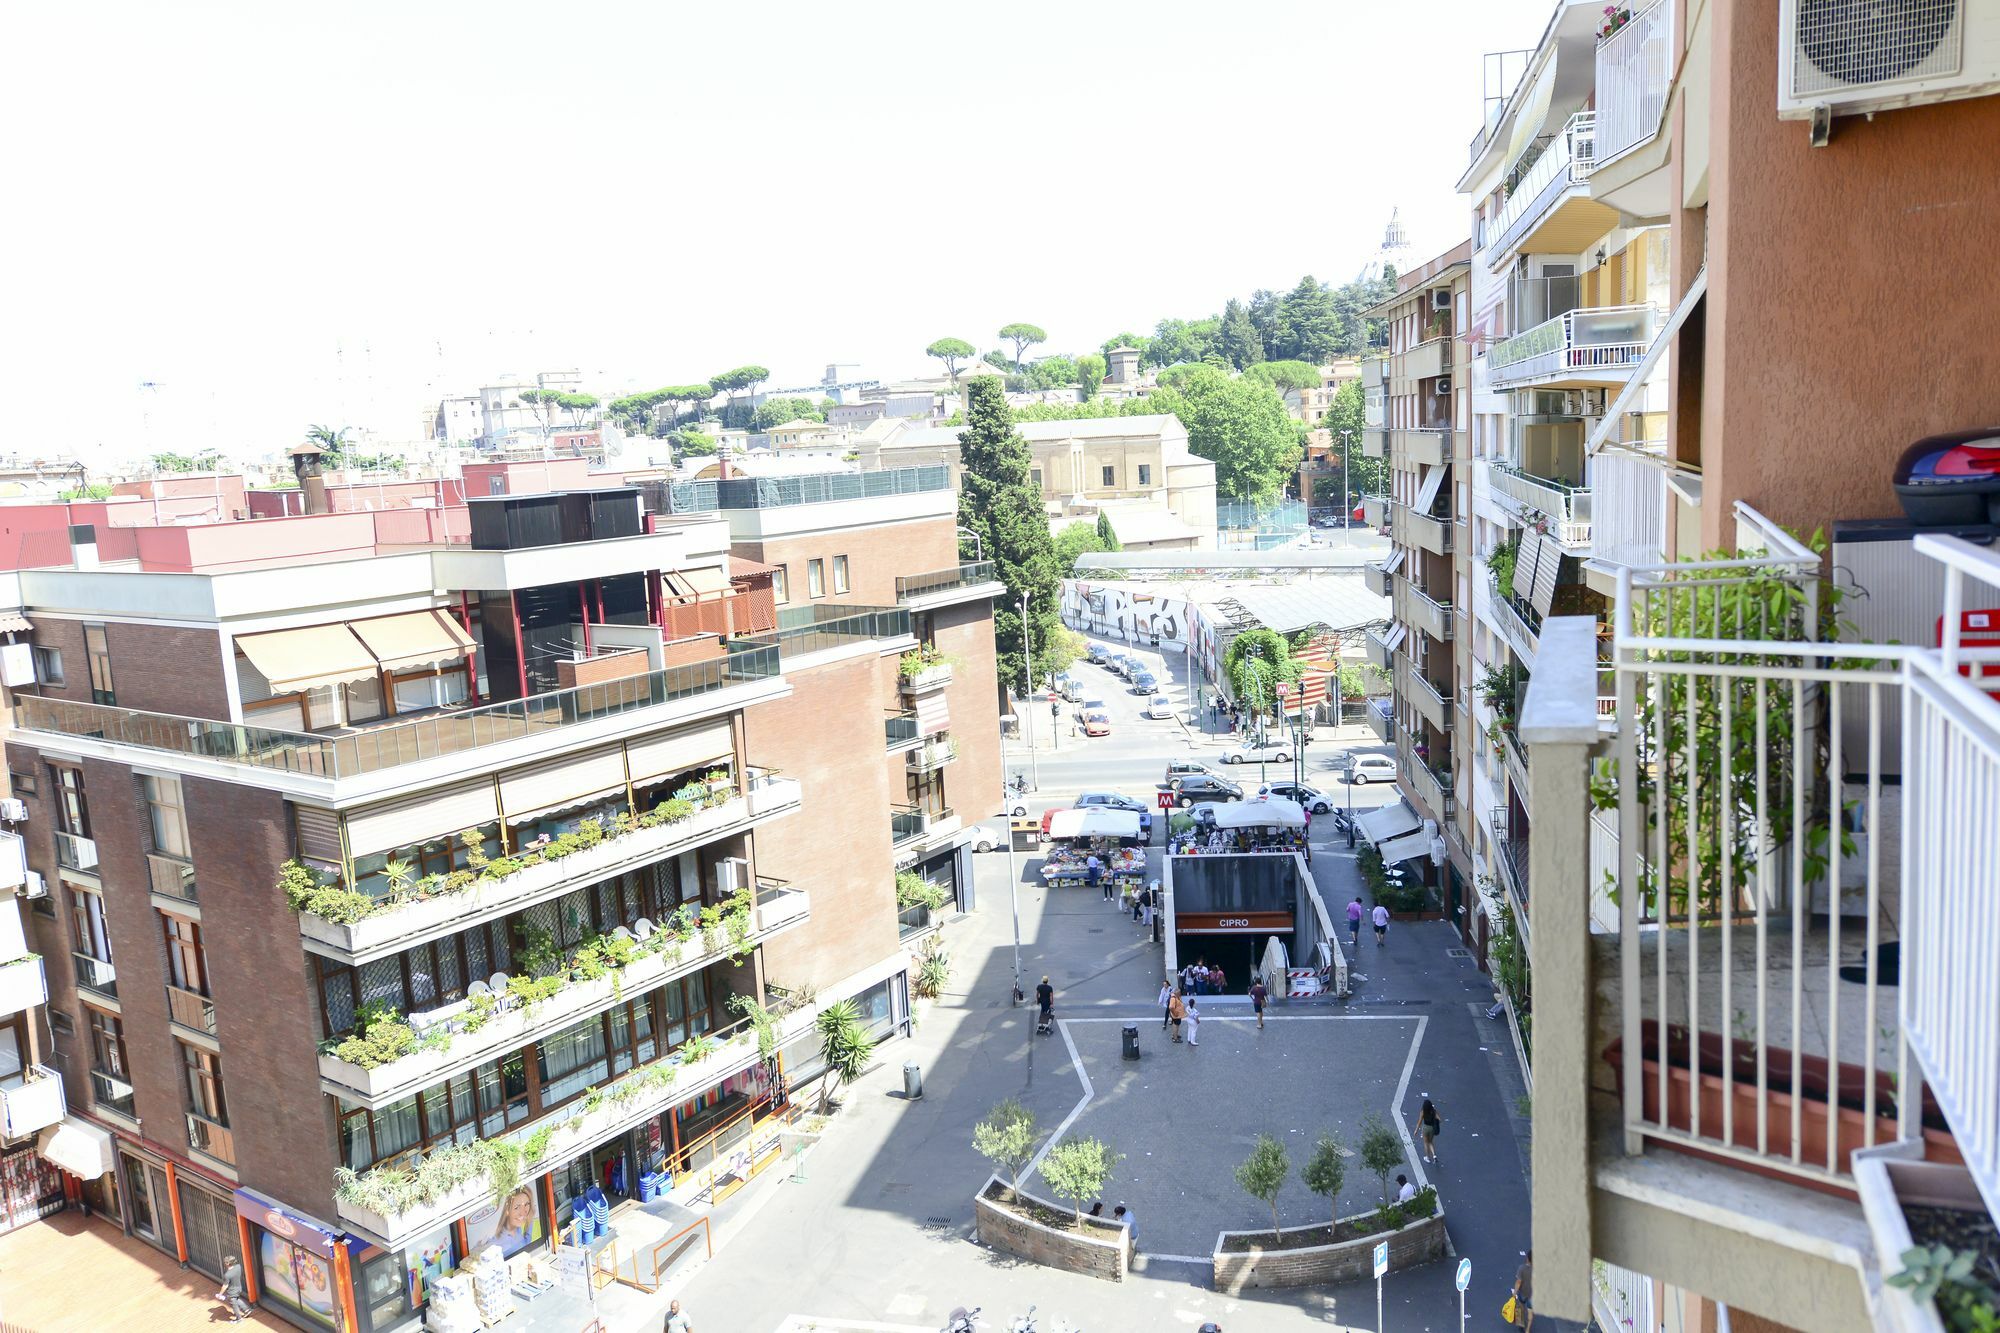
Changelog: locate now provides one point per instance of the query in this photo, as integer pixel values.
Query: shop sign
(286, 1223)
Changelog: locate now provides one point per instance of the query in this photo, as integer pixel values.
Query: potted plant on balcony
(1614, 19)
(720, 787)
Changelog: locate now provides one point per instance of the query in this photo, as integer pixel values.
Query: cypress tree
(999, 501)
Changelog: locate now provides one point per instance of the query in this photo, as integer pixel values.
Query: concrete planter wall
(1103, 1249)
(1417, 1242)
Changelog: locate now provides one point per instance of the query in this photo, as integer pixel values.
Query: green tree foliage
(1314, 329)
(844, 1046)
(1078, 1170)
(1365, 475)
(96, 490)
(733, 381)
(1089, 373)
(1078, 538)
(1051, 372)
(1059, 652)
(1023, 336)
(1107, 536)
(998, 501)
(1179, 341)
(1239, 426)
(777, 411)
(951, 351)
(1381, 1151)
(1257, 661)
(202, 462)
(1006, 1138)
(1283, 375)
(692, 444)
(1236, 337)
(1263, 1174)
(998, 360)
(1325, 1172)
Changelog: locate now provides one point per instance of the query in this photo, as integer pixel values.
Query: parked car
(990, 837)
(1097, 724)
(1096, 652)
(1369, 768)
(1118, 801)
(1091, 705)
(1013, 803)
(1069, 687)
(1144, 682)
(1273, 752)
(1310, 798)
(1179, 769)
(1159, 706)
(1206, 787)
(1117, 664)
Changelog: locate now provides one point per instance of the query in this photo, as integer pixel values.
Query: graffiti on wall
(1141, 616)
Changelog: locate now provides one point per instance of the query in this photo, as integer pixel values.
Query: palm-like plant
(844, 1045)
(332, 444)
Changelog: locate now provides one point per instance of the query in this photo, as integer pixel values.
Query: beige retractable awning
(13, 622)
(78, 1147)
(415, 638)
(300, 659)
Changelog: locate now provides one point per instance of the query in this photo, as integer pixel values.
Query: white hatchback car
(1273, 752)
(1372, 768)
(1159, 706)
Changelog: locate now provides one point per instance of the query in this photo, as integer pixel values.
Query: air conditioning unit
(38, 887)
(1443, 385)
(13, 811)
(1441, 298)
(1850, 57)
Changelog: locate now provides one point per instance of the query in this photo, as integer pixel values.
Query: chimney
(305, 466)
(83, 545)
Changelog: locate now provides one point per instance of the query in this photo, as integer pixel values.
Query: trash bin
(913, 1080)
(1131, 1031)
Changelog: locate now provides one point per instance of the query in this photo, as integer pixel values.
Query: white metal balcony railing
(1634, 69)
(1513, 626)
(1755, 1007)
(1598, 342)
(1565, 161)
(1628, 504)
(1568, 508)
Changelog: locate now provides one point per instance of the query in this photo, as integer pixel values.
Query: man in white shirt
(1405, 1191)
(1381, 920)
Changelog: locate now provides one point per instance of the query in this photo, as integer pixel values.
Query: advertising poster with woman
(513, 1226)
(294, 1276)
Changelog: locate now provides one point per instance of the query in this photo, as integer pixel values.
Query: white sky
(282, 214)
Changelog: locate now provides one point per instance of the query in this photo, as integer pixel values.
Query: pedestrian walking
(1381, 924)
(233, 1290)
(1138, 904)
(1193, 1024)
(1257, 994)
(1354, 922)
(1166, 1006)
(1524, 1292)
(1093, 872)
(1428, 1128)
(676, 1321)
(1177, 1011)
(1217, 982)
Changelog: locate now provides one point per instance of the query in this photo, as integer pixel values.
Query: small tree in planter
(1381, 1151)
(1263, 1174)
(845, 1046)
(1006, 1138)
(1325, 1172)
(1076, 1169)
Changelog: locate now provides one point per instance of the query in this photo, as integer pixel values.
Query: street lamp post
(1346, 496)
(1027, 688)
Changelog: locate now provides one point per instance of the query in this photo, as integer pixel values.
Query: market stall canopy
(79, 1147)
(1094, 822)
(1388, 823)
(303, 659)
(1406, 848)
(1266, 812)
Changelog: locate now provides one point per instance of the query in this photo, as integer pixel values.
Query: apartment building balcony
(396, 926)
(23, 985)
(31, 1099)
(773, 908)
(1515, 760)
(1375, 510)
(95, 975)
(74, 852)
(1568, 508)
(949, 586)
(923, 676)
(212, 1139)
(628, 1102)
(1549, 210)
(352, 762)
(1381, 717)
(173, 881)
(1581, 348)
(1802, 966)
(1375, 371)
(1380, 580)
(900, 731)
(1430, 788)
(1426, 447)
(1514, 627)
(1382, 644)
(1417, 608)
(1511, 848)
(933, 754)
(1628, 503)
(1634, 74)
(191, 1010)
(735, 613)
(1432, 706)
(824, 627)
(1374, 442)
(1423, 531)
(1427, 360)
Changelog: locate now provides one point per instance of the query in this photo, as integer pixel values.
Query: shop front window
(296, 1280)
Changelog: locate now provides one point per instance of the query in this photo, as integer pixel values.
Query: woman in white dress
(1193, 1025)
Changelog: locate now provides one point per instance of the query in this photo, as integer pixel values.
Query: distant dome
(1395, 256)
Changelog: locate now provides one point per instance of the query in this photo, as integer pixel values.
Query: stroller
(1046, 1022)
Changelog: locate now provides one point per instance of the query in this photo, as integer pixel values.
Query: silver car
(1270, 752)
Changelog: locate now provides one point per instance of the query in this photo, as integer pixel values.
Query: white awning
(302, 659)
(1394, 638)
(1391, 821)
(413, 639)
(1433, 482)
(1094, 821)
(1265, 812)
(79, 1147)
(1607, 425)
(1406, 848)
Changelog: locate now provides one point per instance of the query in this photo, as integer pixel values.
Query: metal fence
(694, 497)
